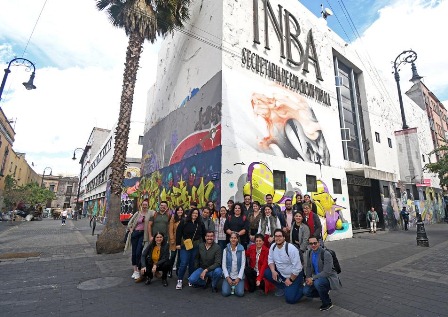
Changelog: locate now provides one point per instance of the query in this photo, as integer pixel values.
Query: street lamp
(80, 175)
(43, 175)
(408, 56)
(29, 85)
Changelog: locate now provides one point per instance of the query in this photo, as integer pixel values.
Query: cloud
(410, 24)
(80, 59)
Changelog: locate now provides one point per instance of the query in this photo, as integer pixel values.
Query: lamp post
(29, 85)
(404, 57)
(43, 175)
(79, 181)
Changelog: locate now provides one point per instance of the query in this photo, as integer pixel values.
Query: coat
(131, 225)
(251, 255)
(303, 234)
(172, 228)
(325, 268)
(146, 259)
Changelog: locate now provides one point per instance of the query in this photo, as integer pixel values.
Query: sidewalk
(383, 274)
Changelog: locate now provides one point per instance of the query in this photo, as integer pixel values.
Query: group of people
(247, 245)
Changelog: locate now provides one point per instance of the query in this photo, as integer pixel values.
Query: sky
(79, 58)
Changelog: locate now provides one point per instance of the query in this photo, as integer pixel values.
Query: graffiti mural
(189, 130)
(292, 128)
(195, 179)
(259, 183)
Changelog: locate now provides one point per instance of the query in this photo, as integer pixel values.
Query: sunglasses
(313, 243)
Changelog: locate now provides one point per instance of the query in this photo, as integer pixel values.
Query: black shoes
(326, 307)
(214, 290)
(148, 281)
(165, 283)
(170, 274)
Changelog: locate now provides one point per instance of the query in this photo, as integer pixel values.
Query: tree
(140, 19)
(29, 194)
(441, 166)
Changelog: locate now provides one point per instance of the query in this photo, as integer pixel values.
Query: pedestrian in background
(372, 217)
(64, 216)
(405, 216)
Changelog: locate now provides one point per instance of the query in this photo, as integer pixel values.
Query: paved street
(51, 270)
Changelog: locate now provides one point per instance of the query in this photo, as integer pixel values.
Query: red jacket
(251, 253)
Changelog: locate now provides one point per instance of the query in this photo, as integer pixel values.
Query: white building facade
(270, 101)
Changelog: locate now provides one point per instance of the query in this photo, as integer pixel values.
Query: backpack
(336, 265)
(286, 247)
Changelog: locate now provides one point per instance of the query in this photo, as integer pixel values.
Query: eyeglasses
(313, 243)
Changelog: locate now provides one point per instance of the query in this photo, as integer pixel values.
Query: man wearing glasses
(319, 273)
(285, 268)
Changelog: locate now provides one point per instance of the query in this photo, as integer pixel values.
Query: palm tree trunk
(110, 240)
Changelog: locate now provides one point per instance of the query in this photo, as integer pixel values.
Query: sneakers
(179, 284)
(165, 283)
(326, 307)
(189, 284)
(148, 281)
(134, 275)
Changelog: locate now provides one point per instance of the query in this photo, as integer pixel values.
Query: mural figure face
(192, 176)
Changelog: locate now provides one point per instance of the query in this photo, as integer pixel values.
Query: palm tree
(141, 19)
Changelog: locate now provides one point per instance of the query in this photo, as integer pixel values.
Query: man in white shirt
(285, 268)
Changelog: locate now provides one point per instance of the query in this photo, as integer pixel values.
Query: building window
(397, 192)
(408, 193)
(140, 140)
(377, 137)
(51, 188)
(337, 186)
(389, 142)
(424, 195)
(311, 183)
(386, 192)
(351, 113)
(279, 180)
(69, 189)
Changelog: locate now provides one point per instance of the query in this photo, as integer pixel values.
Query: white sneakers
(179, 284)
(135, 275)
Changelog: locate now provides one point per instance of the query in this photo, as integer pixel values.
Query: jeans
(215, 275)
(227, 289)
(187, 258)
(320, 288)
(63, 219)
(373, 226)
(137, 247)
(173, 262)
(293, 292)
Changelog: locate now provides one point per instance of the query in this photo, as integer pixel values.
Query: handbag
(188, 243)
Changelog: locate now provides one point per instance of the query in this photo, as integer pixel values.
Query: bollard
(422, 239)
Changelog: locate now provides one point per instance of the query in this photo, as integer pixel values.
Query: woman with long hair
(299, 233)
(233, 264)
(172, 227)
(138, 236)
(254, 220)
(191, 228)
(220, 234)
(267, 225)
(257, 254)
(155, 258)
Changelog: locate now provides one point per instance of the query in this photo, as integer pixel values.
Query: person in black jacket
(156, 258)
(238, 223)
(192, 228)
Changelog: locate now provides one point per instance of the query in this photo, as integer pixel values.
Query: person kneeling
(155, 258)
(257, 255)
(320, 276)
(285, 268)
(208, 263)
(233, 264)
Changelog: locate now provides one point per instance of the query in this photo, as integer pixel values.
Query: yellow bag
(188, 244)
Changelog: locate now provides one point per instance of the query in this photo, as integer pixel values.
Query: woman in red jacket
(257, 255)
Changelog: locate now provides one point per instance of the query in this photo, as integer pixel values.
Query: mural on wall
(193, 128)
(195, 179)
(431, 208)
(259, 182)
(293, 130)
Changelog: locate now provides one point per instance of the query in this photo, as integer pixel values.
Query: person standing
(138, 236)
(237, 223)
(208, 263)
(220, 234)
(207, 220)
(372, 217)
(155, 258)
(405, 216)
(64, 216)
(307, 199)
(172, 228)
(299, 233)
(288, 214)
(319, 273)
(233, 264)
(267, 225)
(159, 221)
(254, 220)
(285, 268)
(191, 228)
(257, 255)
(313, 221)
(298, 205)
(247, 206)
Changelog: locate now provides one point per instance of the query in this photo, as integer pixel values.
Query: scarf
(310, 223)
